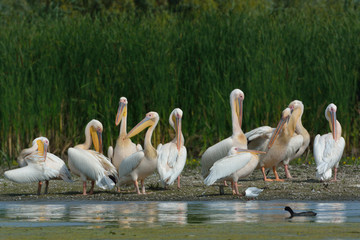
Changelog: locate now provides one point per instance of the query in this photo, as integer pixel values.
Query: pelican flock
(231, 159)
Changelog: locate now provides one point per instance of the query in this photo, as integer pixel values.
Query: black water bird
(300, 214)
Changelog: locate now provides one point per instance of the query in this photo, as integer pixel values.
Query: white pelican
(172, 156)
(300, 141)
(124, 147)
(239, 163)
(238, 139)
(39, 165)
(140, 164)
(92, 165)
(328, 148)
(277, 148)
(259, 138)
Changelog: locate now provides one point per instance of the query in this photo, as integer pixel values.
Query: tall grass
(57, 74)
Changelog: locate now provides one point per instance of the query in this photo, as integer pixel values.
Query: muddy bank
(304, 186)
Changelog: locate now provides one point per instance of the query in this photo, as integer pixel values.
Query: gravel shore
(303, 186)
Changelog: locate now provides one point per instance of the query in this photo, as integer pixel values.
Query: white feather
(130, 163)
(227, 166)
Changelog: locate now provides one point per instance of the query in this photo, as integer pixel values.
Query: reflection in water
(132, 214)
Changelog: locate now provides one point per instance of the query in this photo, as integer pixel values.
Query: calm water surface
(133, 214)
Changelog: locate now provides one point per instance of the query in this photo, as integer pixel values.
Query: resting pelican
(239, 163)
(140, 164)
(278, 143)
(39, 165)
(92, 165)
(329, 148)
(172, 156)
(238, 139)
(124, 147)
(259, 138)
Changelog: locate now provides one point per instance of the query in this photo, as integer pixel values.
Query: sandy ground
(303, 186)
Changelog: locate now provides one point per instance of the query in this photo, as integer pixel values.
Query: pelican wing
(57, 164)
(130, 163)
(178, 166)
(139, 147)
(105, 162)
(86, 163)
(227, 166)
(259, 138)
(33, 172)
(110, 153)
(327, 152)
(293, 147)
(214, 153)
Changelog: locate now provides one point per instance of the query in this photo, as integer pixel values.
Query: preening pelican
(239, 163)
(38, 165)
(278, 143)
(124, 147)
(328, 148)
(92, 165)
(140, 164)
(172, 155)
(300, 141)
(238, 139)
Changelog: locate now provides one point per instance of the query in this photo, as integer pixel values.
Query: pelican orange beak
(122, 110)
(146, 122)
(283, 120)
(333, 123)
(178, 131)
(42, 148)
(239, 150)
(239, 109)
(96, 136)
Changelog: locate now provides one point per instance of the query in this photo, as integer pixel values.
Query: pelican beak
(122, 110)
(277, 131)
(96, 136)
(42, 148)
(239, 109)
(178, 132)
(146, 122)
(250, 151)
(333, 123)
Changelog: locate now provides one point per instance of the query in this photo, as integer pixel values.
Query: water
(150, 214)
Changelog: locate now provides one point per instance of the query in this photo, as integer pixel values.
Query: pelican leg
(136, 187)
(142, 186)
(84, 188)
(39, 188)
(233, 187)
(237, 189)
(276, 175)
(265, 178)
(178, 181)
(287, 172)
(225, 184)
(46, 186)
(92, 187)
(335, 173)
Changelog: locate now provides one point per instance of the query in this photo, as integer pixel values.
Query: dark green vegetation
(65, 66)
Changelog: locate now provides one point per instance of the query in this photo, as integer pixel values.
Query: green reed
(58, 74)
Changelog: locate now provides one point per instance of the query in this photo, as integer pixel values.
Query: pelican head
(284, 118)
(175, 118)
(122, 110)
(236, 99)
(42, 145)
(151, 119)
(295, 105)
(330, 114)
(96, 129)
